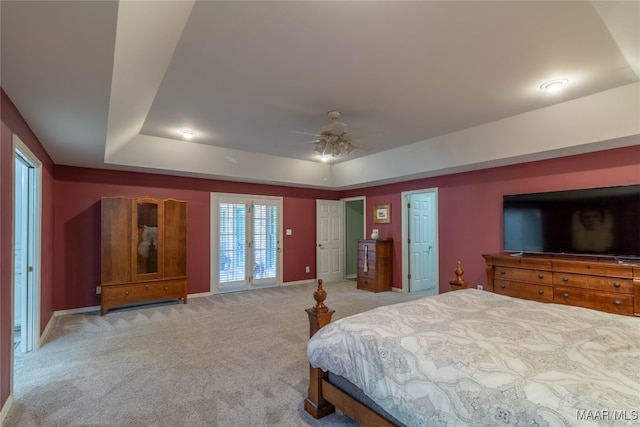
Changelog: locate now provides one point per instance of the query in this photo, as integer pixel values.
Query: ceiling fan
(333, 139)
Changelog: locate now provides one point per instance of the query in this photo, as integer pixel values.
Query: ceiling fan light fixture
(320, 146)
(349, 147)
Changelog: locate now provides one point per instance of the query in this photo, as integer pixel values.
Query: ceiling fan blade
(363, 147)
(304, 133)
(367, 135)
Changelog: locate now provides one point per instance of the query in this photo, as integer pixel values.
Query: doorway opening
(354, 230)
(26, 248)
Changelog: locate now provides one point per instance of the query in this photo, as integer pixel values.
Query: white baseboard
(299, 282)
(76, 311)
(198, 295)
(5, 409)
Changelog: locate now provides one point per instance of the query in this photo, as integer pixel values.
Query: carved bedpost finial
(320, 295)
(458, 282)
(459, 272)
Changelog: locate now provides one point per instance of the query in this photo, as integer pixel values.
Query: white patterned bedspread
(477, 358)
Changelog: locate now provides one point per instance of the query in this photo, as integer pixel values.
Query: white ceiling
(437, 86)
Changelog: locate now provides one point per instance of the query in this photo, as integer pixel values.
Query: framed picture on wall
(382, 214)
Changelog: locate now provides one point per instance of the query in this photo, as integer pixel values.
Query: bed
(473, 357)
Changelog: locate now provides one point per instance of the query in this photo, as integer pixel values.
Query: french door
(246, 236)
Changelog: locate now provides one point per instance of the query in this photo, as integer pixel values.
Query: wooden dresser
(374, 265)
(600, 284)
(144, 251)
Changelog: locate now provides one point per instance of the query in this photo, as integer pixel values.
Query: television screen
(596, 221)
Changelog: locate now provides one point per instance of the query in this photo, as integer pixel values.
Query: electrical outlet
(98, 290)
(480, 287)
(307, 269)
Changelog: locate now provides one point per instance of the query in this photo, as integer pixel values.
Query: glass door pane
(147, 215)
(265, 244)
(232, 219)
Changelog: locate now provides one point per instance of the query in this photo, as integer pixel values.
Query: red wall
(77, 226)
(470, 204)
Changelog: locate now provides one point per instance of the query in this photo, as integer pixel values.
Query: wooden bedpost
(458, 283)
(319, 316)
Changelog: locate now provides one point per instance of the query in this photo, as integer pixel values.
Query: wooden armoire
(144, 251)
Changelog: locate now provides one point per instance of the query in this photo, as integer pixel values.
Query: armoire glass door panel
(147, 250)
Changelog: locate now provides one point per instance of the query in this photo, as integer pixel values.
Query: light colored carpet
(226, 360)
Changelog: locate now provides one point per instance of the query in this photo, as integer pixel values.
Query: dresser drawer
(522, 262)
(602, 301)
(593, 268)
(371, 270)
(542, 293)
(598, 283)
(524, 275)
(373, 284)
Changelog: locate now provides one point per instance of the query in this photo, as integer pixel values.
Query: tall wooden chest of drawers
(599, 284)
(374, 265)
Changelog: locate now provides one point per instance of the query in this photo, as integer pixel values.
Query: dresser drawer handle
(617, 302)
(503, 272)
(540, 276)
(166, 288)
(541, 291)
(126, 292)
(616, 284)
(566, 295)
(503, 286)
(565, 279)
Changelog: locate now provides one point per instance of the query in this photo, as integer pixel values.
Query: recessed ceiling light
(188, 133)
(554, 85)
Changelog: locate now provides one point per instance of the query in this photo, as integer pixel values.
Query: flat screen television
(596, 221)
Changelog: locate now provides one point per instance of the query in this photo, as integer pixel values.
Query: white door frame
(405, 235)
(340, 273)
(214, 241)
(34, 241)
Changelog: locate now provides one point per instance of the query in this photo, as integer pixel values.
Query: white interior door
(330, 240)
(246, 235)
(422, 241)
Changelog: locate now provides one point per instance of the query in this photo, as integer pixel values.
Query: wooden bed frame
(324, 396)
